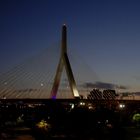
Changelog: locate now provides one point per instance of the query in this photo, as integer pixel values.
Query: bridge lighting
(64, 63)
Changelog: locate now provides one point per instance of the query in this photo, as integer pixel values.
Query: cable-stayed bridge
(54, 73)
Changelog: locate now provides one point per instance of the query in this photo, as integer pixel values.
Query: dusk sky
(105, 32)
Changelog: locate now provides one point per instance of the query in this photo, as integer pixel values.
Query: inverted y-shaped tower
(64, 62)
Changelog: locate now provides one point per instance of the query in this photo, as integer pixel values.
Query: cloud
(103, 85)
(121, 87)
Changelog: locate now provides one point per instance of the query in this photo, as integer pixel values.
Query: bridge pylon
(64, 62)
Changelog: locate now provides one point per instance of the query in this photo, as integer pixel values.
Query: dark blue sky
(105, 32)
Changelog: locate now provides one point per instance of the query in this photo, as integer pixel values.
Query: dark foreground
(71, 119)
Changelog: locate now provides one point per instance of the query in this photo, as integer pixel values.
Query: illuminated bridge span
(50, 74)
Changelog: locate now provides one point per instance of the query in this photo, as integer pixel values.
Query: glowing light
(82, 103)
(42, 84)
(54, 97)
(72, 105)
(136, 117)
(122, 106)
(42, 124)
(90, 107)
